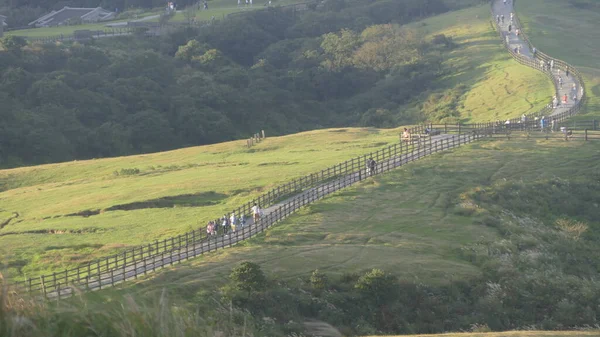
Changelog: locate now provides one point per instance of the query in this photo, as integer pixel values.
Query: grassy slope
(568, 33)
(408, 222)
(516, 334)
(227, 174)
(498, 88)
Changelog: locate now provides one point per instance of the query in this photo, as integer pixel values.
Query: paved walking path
(437, 143)
(514, 41)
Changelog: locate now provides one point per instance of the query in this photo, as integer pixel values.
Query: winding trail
(514, 41)
(280, 210)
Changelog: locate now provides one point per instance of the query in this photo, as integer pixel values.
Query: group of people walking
(230, 223)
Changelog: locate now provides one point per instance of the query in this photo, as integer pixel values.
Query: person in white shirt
(255, 213)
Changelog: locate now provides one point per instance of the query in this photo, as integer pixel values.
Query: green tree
(318, 280)
(248, 277)
(377, 287)
(13, 44)
(338, 49)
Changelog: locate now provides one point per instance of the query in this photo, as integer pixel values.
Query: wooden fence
(286, 199)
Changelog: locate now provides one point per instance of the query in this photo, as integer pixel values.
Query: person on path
(523, 118)
(255, 213)
(209, 229)
(502, 18)
(373, 167)
(504, 2)
(242, 221)
(551, 64)
(498, 18)
(509, 28)
(567, 71)
(560, 81)
(574, 97)
(554, 102)
(233, 221)
(581, 90)
(224, 224)
(574, 87)
(553, 125)
(542, 123)
(507, 40)
(512, 15)
(517, 31)
(534, 51)
(565, 99)
(205, 5)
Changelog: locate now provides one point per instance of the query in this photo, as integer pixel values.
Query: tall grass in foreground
(92, 315)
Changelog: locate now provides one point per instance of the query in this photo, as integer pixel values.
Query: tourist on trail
(233, 221)
(224, 223)
(512, 15)
(498, 18)
(373, 167)
(504, 2)
(205, 5)
(567, 71)
(255, 213)
(524, 118)
(551, 64)
(574, 97)
(581, 90)
(543, 65)
(574, 87)
(507, 40)
(502, 18)
(553, 125)
(560, 81)
(517, 31)
(242, 221)
(368, 165)
(509, 28)
(209, 228)
(406, 135)
(565, 99)
(554, 102)
(542, 123)
(534, 51)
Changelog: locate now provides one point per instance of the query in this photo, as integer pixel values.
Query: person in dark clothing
(373, 166)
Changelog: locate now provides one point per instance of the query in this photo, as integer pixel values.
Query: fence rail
(140, 260)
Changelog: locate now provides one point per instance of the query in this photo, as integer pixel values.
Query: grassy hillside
(567, 30)
(496, 86)
(172, 192)
(415, 221)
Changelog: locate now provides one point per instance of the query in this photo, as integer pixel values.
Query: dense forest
(346, 64)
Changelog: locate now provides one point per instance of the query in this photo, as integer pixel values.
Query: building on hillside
(2, 24)
(71, 15)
